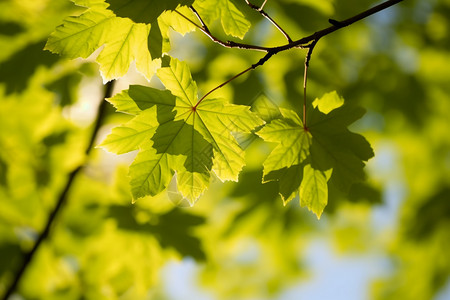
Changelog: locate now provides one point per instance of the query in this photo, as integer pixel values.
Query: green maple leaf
(174, 132)
(159, 36)
(144, 11)
(233, 21)
(307, 160)
(124, 42)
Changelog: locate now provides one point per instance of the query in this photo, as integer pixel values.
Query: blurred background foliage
(388, 239)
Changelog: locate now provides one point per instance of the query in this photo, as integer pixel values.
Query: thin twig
(222, 84)
(336, 25)
(28, 258)
(265, 15)
(305, 79)
(303, 43)
(264, 3)
(204, 26)
(300, 43)
(227, 44)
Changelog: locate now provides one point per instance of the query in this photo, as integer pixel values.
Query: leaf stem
(221, 85)
(62, 199)
(305, 75)
(252, 67)
(305, 79)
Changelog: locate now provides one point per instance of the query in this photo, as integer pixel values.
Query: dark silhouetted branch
(62, 199)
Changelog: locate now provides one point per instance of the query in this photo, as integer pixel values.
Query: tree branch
(28, 258)
(302, 43)
(336, 25)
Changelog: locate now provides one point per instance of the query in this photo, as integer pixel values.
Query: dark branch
(310, 51)
(28, 258)
(301, 43)
(336, 26)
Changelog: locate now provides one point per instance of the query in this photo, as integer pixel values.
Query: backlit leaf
(233, 21)
(176, 133)
(144, 11)
(307, 158)
(124, 42)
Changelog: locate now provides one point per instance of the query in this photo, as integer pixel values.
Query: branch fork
(308, 42)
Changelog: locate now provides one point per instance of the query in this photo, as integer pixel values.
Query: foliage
(188, 135)
(310, 156)
(175, 132)
(240, 146)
